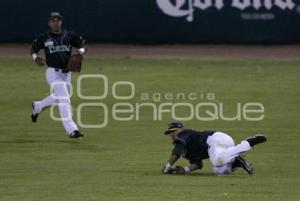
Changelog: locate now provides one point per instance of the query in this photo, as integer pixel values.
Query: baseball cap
(55, 15)
(173, 126)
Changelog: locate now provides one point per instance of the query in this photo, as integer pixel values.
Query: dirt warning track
(276, 52)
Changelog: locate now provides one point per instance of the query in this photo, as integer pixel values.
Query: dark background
(141, 21)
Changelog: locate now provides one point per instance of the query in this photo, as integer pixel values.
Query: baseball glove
(75, 62)
(179, 170)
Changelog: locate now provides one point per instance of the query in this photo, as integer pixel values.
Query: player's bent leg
(229, 154)
(39, 106)
(232, 155)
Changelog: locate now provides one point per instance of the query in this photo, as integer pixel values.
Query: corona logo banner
(186, 8)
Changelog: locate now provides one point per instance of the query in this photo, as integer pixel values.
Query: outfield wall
(158, 21)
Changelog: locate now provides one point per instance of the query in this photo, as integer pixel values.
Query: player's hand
(39, 61)
(167, 169)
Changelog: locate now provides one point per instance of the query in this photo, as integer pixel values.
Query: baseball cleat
(256, 139)
(34, 115)
(76, 135)
(242, 163)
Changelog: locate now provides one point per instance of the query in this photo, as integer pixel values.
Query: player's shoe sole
(256, 139)
(76, 135)
(34, 115)
(243, 163)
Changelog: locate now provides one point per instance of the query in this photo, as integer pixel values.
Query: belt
(61, 70)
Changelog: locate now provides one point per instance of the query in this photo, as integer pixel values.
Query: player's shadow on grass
(194, 174)
(202, 174)
(158, 173)
(211, 174)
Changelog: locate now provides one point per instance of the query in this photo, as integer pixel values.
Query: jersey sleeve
(77, 40)
(181, 140)
(178, 149)
(37, 45)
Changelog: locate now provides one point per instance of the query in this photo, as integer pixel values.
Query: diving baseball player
(219, 147)
(58, 44)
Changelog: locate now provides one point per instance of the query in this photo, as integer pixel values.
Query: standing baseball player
(58, 44)
(219, 147)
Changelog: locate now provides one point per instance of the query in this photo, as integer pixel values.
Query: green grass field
(123, 160)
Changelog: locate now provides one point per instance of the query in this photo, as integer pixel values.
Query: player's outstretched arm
(176, 153)
(168, 169)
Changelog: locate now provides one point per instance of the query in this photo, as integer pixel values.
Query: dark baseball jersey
(192, 145)
(58, 47)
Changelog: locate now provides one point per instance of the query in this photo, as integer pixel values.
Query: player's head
(174, 129)
(55, 22)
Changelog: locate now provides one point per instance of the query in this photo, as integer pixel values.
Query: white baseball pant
(222, 151)
(60, 83)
